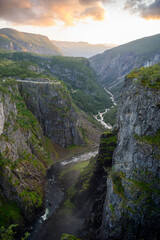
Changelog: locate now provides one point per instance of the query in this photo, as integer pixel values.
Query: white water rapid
(80, 158)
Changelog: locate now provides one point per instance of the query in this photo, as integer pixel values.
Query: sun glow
(115, 25)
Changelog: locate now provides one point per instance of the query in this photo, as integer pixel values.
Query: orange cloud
(97, 13)
(47, 12)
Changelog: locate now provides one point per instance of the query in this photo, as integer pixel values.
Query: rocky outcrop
(51, 103)
(131, 208)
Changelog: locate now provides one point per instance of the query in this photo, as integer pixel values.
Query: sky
(94, 21)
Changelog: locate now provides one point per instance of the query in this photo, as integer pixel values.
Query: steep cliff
(31, 109)
(131, 209)
(23, 158)
(113, 65)
(52, 105)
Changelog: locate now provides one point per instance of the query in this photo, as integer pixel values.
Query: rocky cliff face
(131, 208)
(23, 158)
(51, 103)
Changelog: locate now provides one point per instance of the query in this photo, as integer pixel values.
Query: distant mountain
(11, 39)
(114, 64)
(81, 49)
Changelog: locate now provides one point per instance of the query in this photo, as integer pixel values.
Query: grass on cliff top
(149, 76)
(20, 69)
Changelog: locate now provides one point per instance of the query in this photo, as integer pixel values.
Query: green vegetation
(9, 212)
(110, 116)
(143, 192)
(33, 198)
(26, 162)
(76, 167)
(90, 103)
(85, 170)
(68, 204)
(76, 73)
(87, 94)
(21, 69)
(87, 173)
(80, 168)
(144, 188)
(150, 139)
(4, 161)
(143, 46)
(153, 140)
(68, 237)
(111, 207)
(117, 183)
(149, 77)
(8, 234)
(108, 138)
(108, 143)
(25, 118)
(27, 42)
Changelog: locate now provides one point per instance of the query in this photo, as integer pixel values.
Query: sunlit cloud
(47, 12)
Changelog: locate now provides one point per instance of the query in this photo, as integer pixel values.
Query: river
(100, 116)
(52, 224)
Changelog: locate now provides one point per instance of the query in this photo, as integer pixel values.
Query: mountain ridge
(114, 64)
(81, 49)
(12, 39)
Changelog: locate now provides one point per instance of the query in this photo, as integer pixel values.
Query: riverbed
(100, 116)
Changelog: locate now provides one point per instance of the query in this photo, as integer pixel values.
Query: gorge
(63, 173)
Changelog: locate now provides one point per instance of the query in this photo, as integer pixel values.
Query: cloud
(47, 12)
(147, 11)
(97, 13)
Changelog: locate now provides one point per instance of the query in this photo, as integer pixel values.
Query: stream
(51, 225)
(100, 116)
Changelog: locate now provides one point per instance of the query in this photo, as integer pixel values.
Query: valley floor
(59, 217)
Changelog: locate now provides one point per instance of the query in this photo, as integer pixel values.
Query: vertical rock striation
(131, 208)
(51, 103)
(23, 158)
